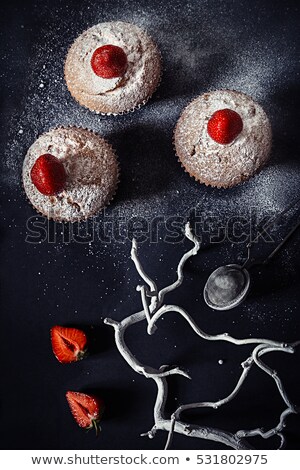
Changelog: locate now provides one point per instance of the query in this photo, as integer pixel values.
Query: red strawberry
(68, 344)
(48, 175)
(109, 61)
(86, 409)
(224, 126)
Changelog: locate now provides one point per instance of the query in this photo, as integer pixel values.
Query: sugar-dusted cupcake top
(70, 174)
(130, 53)
(223, 138)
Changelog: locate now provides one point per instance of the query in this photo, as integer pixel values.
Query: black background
(42, 284)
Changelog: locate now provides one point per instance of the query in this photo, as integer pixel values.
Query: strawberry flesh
(109, 61)
(68, 344)
(48, 175)
(224, 126)
(86, 409)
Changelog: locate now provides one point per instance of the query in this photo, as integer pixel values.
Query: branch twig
(151, 312)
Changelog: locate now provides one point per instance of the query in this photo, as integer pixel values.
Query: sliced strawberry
(68, 344)
(224, 126)
(109, 61)
(48, 174)
(86, 409)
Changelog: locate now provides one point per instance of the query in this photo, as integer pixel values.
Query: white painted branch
(185, 257)
(189, 430)
(216, 404)
(273, 373)
(143, 291)
(151, 313)
(147, 371)
(202, 334)
(140, 269)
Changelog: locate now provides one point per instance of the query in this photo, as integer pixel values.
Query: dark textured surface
(249, 46)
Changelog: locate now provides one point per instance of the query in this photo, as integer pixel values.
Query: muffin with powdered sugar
(222, 138)
(70, 174)
(113, 67)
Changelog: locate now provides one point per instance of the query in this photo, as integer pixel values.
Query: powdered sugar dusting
(223, 165)
(92, 173)
(203, 49)
(118, 94)
(200, 52)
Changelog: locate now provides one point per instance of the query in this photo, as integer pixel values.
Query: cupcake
(70, 174)
(112, 68)
(222, 138)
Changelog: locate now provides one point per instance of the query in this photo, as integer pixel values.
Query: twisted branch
(153, 308)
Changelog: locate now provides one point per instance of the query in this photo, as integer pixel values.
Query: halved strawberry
(68, 344)
(86, 409)
(48, 174)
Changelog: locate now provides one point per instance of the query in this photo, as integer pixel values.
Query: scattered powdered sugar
(120, 94)
(196, 58)
(223, 165)
(255, 73)
(202, 49)
(91, 168)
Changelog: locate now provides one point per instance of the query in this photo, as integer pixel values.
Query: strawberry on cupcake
(222, 138)
(113, 67)
(70, 174)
